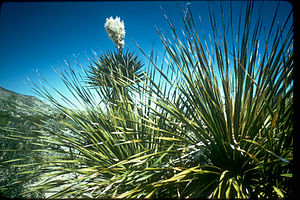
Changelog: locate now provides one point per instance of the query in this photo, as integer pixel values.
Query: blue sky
(37, 36)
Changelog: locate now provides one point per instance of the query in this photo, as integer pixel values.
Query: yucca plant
(235, 111)
(116, 71)
(214, 120)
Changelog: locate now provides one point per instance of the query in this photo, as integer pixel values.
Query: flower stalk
(116, 31)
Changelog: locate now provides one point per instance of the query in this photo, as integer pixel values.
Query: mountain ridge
(20, 110)
(25, 104)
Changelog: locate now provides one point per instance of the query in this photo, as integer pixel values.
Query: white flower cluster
(116, 30)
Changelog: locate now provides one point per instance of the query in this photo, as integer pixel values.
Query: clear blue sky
(39, 35)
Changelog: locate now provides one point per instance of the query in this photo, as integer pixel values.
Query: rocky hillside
(18, 108)
(17, 105)
(19, 112)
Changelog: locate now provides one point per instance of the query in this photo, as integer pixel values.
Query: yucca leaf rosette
(113, 69)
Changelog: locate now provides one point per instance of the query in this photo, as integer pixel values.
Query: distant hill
(18, 104)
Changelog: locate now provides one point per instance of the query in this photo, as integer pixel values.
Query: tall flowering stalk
(116, 31)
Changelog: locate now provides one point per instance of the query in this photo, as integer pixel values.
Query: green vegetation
(16, 146)
(213, 121)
